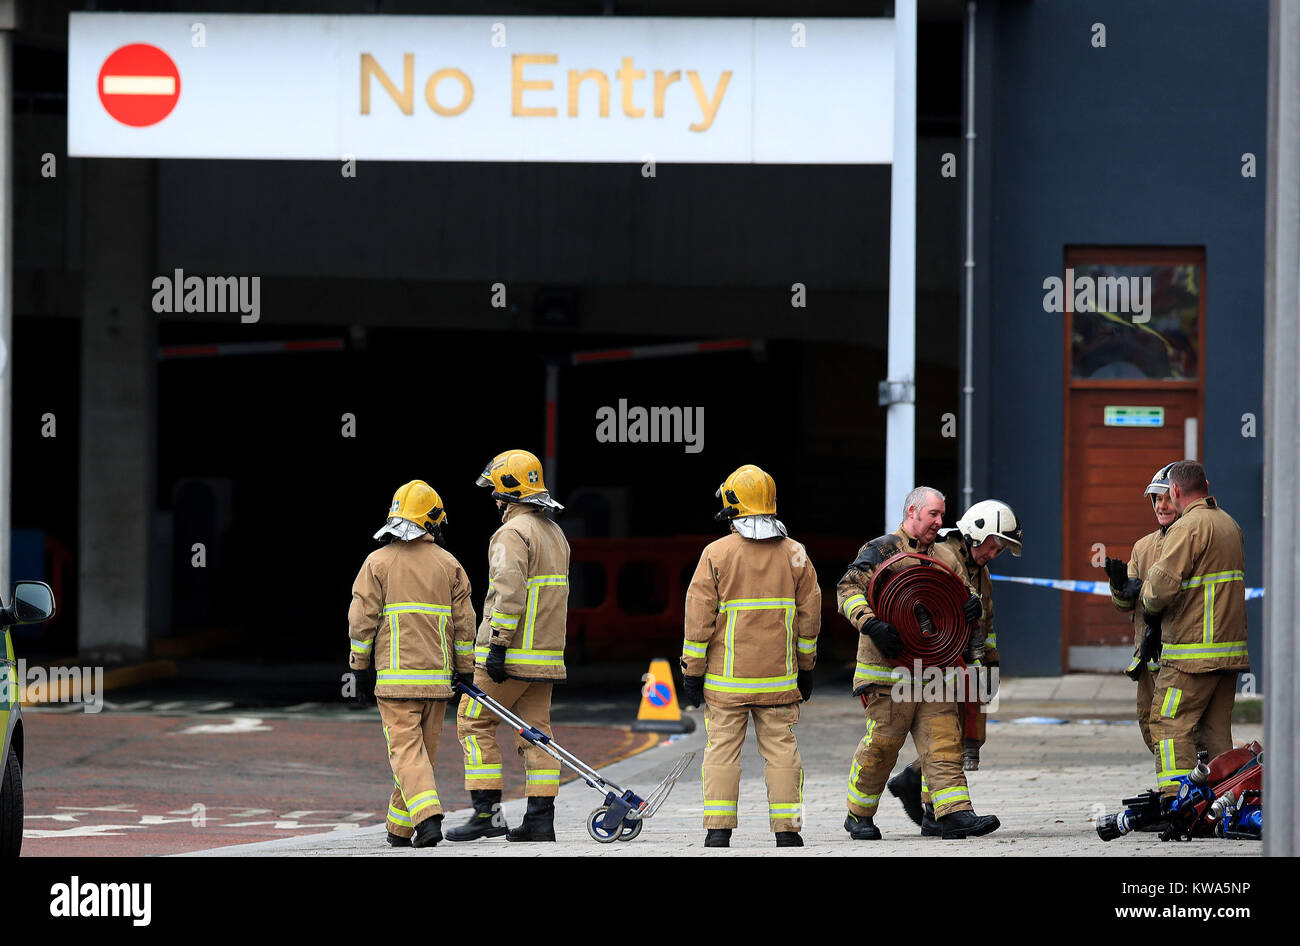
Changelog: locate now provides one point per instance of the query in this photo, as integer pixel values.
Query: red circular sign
(139, 85)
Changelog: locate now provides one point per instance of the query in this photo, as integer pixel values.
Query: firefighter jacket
(1145, 552)
(527, 603)
(954, 551)
(753, 612)
(411, 612)
(851, 595)
(1198, 585)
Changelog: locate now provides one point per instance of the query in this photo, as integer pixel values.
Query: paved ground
(1046, 781)
(162, 778)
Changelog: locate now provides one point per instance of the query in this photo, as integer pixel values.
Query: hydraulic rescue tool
(1223, 798)
(621, 816)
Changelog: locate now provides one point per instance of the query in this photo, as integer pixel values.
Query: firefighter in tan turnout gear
(1125, 586)
(411, 614)
(519, 651)
(1195, 593)
(753, 611)
(935, 726)
(986, 528)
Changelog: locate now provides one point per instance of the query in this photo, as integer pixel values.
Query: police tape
(1087, 587)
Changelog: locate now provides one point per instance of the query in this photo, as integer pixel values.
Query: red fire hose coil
(894, 595)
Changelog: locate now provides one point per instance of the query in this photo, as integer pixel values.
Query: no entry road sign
(139, 85)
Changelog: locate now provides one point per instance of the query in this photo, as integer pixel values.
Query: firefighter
(1195, 593)
(1125, 585)
(519, 652)
(411, 613)
(935, 726)
(981, 534)
(753, 612)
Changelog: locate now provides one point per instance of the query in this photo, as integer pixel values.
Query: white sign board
(481, 88)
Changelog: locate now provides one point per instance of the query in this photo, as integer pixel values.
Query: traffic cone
(659, 711)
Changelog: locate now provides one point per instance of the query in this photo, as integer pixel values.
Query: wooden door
(1149, 374)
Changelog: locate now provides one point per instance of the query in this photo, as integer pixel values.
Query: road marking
(237, 724)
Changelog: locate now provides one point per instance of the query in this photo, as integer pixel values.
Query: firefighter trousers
(411, 730)
(476, 728)
(782, 766)
(1146, 694)
(1185, 706)
(936, 730)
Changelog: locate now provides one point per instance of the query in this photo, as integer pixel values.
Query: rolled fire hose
(924, 604)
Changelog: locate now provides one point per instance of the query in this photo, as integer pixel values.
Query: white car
(32, 603)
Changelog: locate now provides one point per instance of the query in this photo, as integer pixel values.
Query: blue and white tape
(1087, 587)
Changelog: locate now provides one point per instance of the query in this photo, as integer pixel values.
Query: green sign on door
(1135, 416)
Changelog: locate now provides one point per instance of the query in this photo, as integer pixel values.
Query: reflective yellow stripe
(396, 816)
(1207, 651)
(851, 602)
(1169, 708)
(414, 677)
(946, 796)
(415, 607)
(535, 585)
(807, 645)
(362, 647)
(421, 801)
(501, 619)
(694, 649)
(991, 641)
(755, 604)
(520, 655)
(1214, 578)
(725, 684)
(464, 647)
(542, 776)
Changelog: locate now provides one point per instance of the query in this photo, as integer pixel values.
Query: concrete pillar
(1281, 443)
(7, 25)
(118, 380)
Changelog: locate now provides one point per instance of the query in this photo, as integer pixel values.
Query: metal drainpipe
(968, 366)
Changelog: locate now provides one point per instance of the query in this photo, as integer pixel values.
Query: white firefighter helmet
(1159, 485)
(991, 517)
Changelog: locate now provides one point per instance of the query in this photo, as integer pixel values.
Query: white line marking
(139, 85)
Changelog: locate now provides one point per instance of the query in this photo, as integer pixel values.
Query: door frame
(1130, 256)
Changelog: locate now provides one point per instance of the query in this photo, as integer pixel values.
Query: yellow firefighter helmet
(420, 503)
(747, 492)
(515, 476)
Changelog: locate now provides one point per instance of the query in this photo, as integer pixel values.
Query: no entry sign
(139, 85)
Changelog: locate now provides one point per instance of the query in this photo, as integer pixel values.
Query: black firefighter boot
(788, 839)
(929, 826)
(906, 787)
(861, 828)
(428, 832)
(488, 820)
(396, 840)
(539, 820)
(717, 837)
(967, 824)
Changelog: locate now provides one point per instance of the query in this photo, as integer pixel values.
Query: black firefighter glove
(884, 635)
(692, 690)
(973, 609)
(496, 663)
(805, 685)
(1151, 642)
(364, 686)
(1117, 572)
